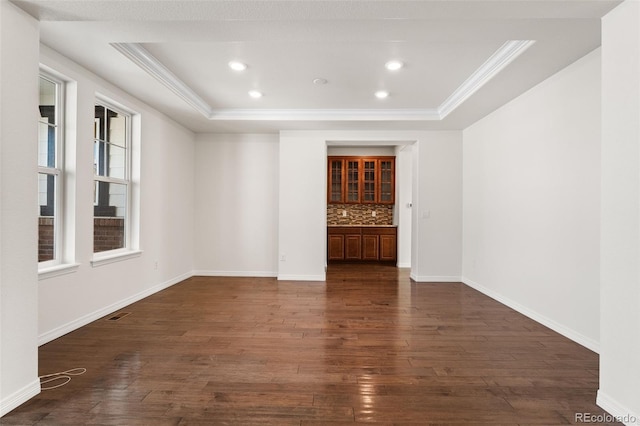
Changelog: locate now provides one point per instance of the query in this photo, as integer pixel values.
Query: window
(50, 171)
(112, 169)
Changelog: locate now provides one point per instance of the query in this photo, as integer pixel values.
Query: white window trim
(59, 172)
(57, 270)
(113, 256)
(130, 249)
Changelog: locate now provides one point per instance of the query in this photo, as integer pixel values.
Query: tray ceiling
(462, 59)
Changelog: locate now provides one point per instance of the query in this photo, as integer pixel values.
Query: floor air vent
(118, 316)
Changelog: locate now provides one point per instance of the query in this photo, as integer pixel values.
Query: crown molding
(326, 114)
(502, 57)
(145, 60)
(509, 51)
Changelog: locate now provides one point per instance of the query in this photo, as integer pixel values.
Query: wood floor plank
(367, 346)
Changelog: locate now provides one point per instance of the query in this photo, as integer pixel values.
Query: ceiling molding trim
(489, 69)
(145, 60)
(509, 51)
(326, 114)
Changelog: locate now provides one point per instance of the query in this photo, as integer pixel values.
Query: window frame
(58, 171)
(108, 256)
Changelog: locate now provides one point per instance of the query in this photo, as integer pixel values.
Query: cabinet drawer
(382, 230)
(344, 230)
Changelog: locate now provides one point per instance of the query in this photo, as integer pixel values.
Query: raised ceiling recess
(441, 64)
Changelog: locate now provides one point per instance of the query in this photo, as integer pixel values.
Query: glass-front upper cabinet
(386, 188)
(336, 180)
(369, 180)
(361, 180)
(353, 181)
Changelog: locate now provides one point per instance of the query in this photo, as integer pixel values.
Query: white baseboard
(435, 278)
(18, 398)
(86, 319)
(404, 265)
(322, 277)
(617, 411)
(569, 333)
(257, 274)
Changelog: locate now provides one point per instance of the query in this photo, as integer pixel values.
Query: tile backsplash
(359, 214)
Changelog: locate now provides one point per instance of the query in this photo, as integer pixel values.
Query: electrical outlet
(373, 213)
(283, 258)
(344, 213)
(155, 264)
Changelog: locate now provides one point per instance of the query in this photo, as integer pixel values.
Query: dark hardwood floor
(367, 346)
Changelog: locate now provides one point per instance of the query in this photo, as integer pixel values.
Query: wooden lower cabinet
(335, 247)
(370, 243)
(343, 243)
(388, 248)
(352, 247)
(367, 243)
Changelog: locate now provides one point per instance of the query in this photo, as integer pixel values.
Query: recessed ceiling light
(319, 81)
(255, 94)
(394, 65)
(381, 94)
(237, 66)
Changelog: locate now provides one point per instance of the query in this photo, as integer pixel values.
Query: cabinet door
(336, 247)
(335, 191)
(369, 180)
(386, 186)
(353, 181)
(388, 247)
(370, 247)
(352, 247)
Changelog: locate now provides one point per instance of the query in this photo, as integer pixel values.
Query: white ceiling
(287, 44)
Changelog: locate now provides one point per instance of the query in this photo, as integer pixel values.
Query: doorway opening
(368, 201)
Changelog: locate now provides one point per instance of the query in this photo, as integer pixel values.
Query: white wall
(236, 213)
(437, 176)
(166, 197)
(532, 202)
(436, 250)
(302, 215)
(402, 211)
(18, 207)
(619, 391)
